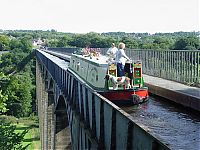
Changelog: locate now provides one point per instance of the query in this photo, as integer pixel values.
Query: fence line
(178, 65)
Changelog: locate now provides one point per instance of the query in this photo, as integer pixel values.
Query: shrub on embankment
(22, 133)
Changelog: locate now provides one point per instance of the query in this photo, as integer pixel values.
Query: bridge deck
(186, 95)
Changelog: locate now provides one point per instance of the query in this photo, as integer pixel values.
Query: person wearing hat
(112, 51)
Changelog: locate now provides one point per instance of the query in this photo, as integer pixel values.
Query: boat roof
(98, 61)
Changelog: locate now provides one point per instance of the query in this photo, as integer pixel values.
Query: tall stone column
(51, 122)
(39, 96)
(42, 102)
(62, 132)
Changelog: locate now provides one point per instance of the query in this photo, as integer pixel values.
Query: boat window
(78, 66)
(97, 77)
(73, 63)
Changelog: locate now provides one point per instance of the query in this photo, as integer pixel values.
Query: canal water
(176, 126)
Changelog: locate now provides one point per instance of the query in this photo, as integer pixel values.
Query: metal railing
(177, 65)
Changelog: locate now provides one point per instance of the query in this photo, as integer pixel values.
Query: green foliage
(15, 44)
(6, 62)
(31, 140)
(187, 43)
(130, 42)
(63, 41)
(162, 43)
(52, 43)
(16, 93)
(3, 97)
(9, 139)
(19, 95)
(4, 43)
(91, 39)
(26, 45)
(15, 60)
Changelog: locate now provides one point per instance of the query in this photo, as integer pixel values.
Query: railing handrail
(182, 66)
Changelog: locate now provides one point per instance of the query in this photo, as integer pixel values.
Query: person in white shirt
(112, 51)
(121, 59)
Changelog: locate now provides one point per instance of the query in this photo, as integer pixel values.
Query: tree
(9, 139)
(52, 43)
(3, 97)
(63, 41)
(187, 43)
(4, 43)
(80, 41)
(162, 43)
(16, 94)
(15, 43)
(11, 61)
(19, 95)
(26, 45)
(130, 42)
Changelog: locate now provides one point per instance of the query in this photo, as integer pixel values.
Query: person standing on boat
(121, 59)
(112, 52)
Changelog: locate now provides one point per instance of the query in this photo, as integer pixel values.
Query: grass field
(32, 137)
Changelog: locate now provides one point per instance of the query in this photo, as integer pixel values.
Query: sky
(83, 16)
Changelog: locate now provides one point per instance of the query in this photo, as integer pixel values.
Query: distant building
(38, 42)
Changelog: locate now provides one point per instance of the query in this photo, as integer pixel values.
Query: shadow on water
(177, 108)
(175, 125)
(131, 109)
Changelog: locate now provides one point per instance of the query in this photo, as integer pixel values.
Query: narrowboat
(101, 74)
